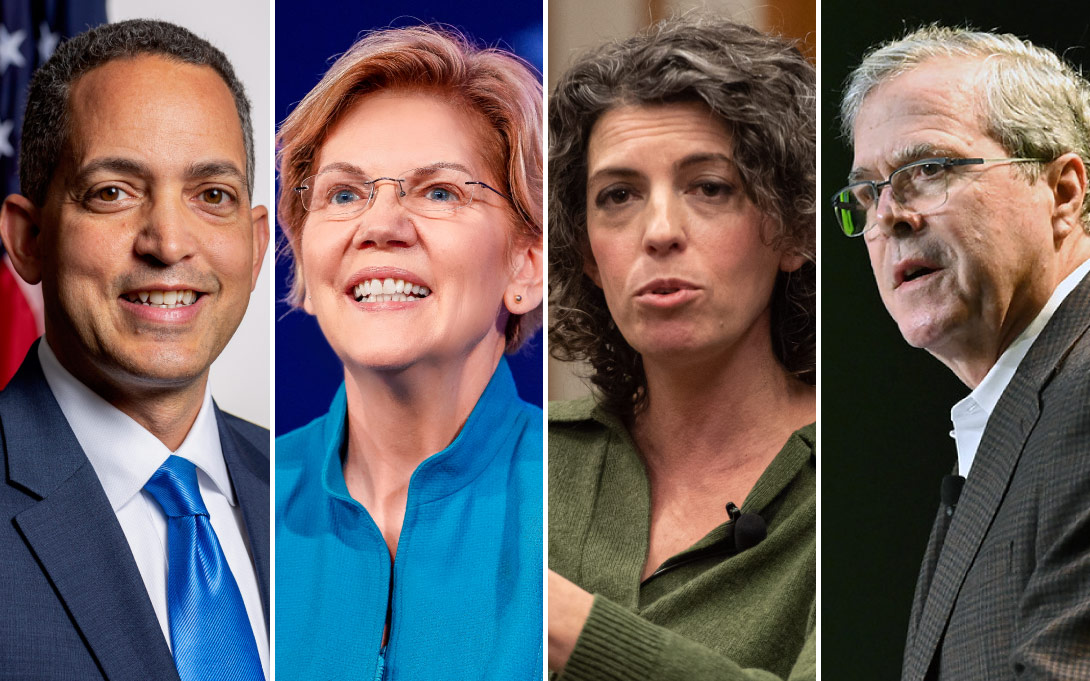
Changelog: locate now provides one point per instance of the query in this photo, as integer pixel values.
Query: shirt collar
(123, 453)
(978, 405)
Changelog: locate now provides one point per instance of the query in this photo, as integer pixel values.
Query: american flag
(29, 32)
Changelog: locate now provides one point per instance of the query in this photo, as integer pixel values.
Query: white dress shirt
(971, 414)
(125, 455)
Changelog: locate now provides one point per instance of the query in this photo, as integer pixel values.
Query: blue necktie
(210, 634)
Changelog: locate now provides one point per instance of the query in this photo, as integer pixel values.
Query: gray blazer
(1004, 589)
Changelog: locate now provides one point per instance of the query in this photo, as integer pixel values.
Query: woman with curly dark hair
(682, 269)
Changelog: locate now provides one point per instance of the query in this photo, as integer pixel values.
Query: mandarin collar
(488, 429)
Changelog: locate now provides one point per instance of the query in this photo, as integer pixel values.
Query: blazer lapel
(923, 585)
(75, 535)
(249, 471)
(1002, 444)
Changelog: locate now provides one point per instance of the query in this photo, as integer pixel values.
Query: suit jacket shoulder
(1003, 592)
(72, 602)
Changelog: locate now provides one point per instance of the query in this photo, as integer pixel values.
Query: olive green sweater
(749, 616)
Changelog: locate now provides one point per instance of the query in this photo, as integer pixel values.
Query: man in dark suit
(135, 535)
(970, 188)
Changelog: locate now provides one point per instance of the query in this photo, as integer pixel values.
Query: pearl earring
(518, 299)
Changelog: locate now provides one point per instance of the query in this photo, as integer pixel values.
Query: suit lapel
(923, 583)
(249, 471)
(75, 535)
(1002, 444)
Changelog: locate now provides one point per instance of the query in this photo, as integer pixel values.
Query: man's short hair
(47, 119)
(1033, 103)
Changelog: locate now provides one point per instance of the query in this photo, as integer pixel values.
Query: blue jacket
(466, 585)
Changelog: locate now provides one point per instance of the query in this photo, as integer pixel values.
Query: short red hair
(498, 86)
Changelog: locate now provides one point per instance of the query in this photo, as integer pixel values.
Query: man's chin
(165, 368)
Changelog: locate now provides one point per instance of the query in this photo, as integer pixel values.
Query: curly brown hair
(763, 89)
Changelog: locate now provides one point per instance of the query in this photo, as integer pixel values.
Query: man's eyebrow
(904, 155)
(203, 170)
(114, 164)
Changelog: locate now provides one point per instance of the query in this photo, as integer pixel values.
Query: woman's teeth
(163, 298)
(389, 290)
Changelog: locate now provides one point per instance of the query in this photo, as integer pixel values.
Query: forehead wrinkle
(945, 94)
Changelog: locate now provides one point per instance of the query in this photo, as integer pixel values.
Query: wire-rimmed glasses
(919, 187)
(435, 190)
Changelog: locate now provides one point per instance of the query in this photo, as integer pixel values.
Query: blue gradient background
(309, 35)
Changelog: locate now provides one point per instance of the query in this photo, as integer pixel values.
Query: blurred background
(309, 37)
(885, 407)
(576, 26)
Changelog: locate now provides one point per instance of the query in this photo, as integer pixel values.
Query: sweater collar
(798, 452)
(485, 432)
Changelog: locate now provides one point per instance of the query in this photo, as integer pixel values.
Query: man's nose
(168, 235)
(892, 217)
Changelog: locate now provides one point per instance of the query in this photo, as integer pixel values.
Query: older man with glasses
(969, 187)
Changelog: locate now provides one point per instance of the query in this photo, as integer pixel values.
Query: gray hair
(46, 122)
(762, 89)
(1035, 104)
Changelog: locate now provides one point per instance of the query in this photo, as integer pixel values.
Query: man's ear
(1067, 180)
(524, 292)
(20, 231)
(260, 218)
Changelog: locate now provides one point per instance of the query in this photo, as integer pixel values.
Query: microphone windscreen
(749, 530)
(951, 489)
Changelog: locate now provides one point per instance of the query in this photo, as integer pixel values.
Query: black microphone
(750, 529)
(950, 492)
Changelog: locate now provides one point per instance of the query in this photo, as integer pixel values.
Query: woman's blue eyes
(344, 196)
(440, 194)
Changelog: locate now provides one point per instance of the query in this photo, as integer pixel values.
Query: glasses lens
(335, 193)
(850, 205)
(920, 187)
(436, 189)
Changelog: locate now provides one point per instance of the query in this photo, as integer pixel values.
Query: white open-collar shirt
(970, 415)
(125, 455)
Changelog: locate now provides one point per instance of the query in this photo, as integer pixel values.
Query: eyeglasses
(433, 190)
(919, 187)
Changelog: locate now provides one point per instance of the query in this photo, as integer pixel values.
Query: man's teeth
(166, 299)
(389, 290)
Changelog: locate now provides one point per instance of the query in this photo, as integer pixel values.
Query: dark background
(309, 35)
(885, 406)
